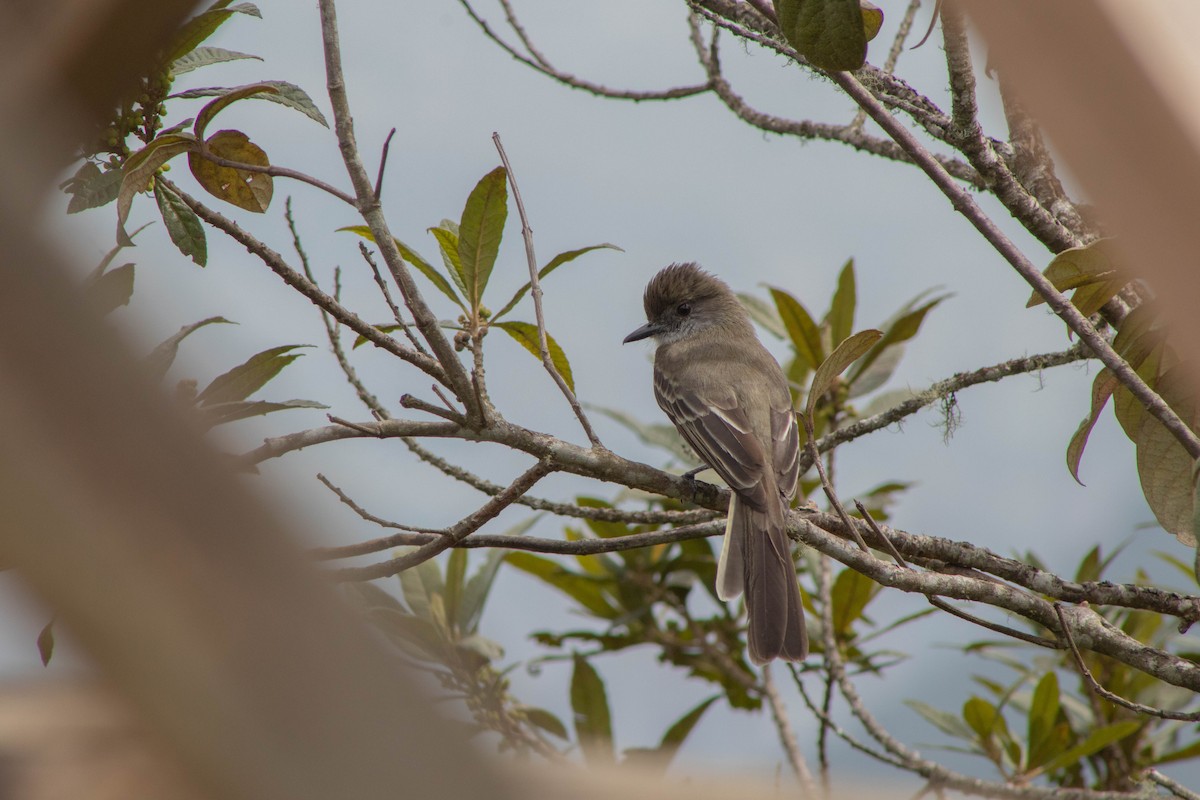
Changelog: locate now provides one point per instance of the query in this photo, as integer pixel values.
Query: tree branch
(454, 374)
(963, 203)
(306, 287)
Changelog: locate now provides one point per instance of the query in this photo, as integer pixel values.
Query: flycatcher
(728, 398)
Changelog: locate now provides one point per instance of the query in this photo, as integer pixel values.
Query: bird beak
(646, 331)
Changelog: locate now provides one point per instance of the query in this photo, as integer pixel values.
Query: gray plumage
(729, 400)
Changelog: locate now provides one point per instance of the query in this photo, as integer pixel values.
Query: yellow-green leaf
(831, 34)
(843, 356)
(1102, 389)
(139, 169)
(183, 226)
(555, 263)
(801, 329)
(214, 107)
(872, 16)
(248, 190)
(593, 723)
(527, 335)
(841, 310)
(1079, 266)
(411, 256)
(480, 230)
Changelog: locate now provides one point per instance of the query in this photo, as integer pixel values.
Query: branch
(454, 374)
(968, 137)
(276, 172)
(1096, 688)
(532, 544)
(963, 202)
(535, 291)
(787, 736)
(940, 391)
(539, 63)
(562, 509)
(306, 287)
(454, 534)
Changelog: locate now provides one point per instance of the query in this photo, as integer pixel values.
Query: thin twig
(1172, 786)
(889, 64)
(455, 533)
(383, 156)
(648, 517)
(838, 730)
(365, 252)
(369, 517)
(810, 445)
(539, 63)
(276, 172)
(1090, 680)
(531, 544)
(829, 645)
(332, 332)
(453, 374)
(787, 736)
(1003, 630)
(535, 291)
(409, 401)
(965, 204)
(941, 390)
(306, 287)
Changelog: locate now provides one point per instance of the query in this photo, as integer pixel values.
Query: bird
(728, 398)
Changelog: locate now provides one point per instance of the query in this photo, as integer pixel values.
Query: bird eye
(683, 309)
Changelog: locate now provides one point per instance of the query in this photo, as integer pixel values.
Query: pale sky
(676, 181)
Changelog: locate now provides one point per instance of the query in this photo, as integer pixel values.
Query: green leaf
(1183, 754)
(903, 328)
(479, 232)
(664, 437)
(203, 56)
(944, 721)
(555, 263)
(1164, 466)
(112, 289)
(872, 16)
(479, 586)
(841, 310)
(801, 329)
(831, 34)
(1079, 266)
(852, 591)
(247, 378)
(981, 716)
(593, 725)
(420, 584)
(411, 256)
(91, 188)
(526, 335)
(230, 96)
(447, 240)
(1096, 741)
(843, 356)
(285, 94)
(203, 25)
(546, 721)
(251, 191)
(582, 589)
(140, 168)
(1043, 717)
(183, 226)
(234, 410)
(45, 643)
(764, 314)
(656, 760)
(1102, 389)
(163, 356)
(456, 572)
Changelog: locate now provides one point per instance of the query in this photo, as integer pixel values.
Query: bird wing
(786, 436)
(720, 433)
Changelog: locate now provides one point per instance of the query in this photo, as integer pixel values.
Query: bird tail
(756, 558)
